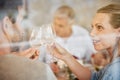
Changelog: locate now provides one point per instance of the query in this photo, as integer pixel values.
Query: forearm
(80, 71)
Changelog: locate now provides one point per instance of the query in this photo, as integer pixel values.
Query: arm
(81, 72)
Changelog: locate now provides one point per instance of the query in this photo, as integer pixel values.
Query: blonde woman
(106, 35)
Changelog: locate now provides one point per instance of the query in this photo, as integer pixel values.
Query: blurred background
(41, 11)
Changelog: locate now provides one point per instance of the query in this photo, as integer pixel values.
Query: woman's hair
(67, 10)
(113, 10)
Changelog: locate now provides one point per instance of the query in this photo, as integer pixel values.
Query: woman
(105, 34)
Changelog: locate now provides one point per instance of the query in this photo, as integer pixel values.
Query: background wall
(42, 10)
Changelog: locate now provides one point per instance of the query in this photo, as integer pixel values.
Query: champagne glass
(48, 36)
(35, 39)
(43, 36)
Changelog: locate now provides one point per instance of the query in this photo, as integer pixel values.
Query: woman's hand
(59, 52)
(29, 53)
(80, 71)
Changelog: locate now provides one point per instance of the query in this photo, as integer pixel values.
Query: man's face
(62, 23)
(61, 20)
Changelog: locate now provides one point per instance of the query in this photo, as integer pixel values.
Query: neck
(110, 51)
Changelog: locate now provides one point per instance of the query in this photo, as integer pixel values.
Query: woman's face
(103, 34)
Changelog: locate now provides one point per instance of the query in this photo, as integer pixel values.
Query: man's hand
(29, 53)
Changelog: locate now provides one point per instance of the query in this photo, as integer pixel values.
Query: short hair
(67, 10)
(9, 10)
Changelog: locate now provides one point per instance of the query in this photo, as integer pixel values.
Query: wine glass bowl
(47, 34)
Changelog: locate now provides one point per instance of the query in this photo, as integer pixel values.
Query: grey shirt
(19, 68)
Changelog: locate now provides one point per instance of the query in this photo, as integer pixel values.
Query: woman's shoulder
(115, 64)
(110, 72)
(113, 70)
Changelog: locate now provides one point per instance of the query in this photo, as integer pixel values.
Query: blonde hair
(67, 10)
(114, 11)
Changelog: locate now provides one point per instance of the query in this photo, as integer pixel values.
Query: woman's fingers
(53, 51)
(60, 49)
(57, 51)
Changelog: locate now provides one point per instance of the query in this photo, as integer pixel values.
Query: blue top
(110, 72)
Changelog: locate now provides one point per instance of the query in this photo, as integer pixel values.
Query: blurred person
(12, 18)
(13, 63)
(106, 36)
(5, 47)
(13, 67)
(72, 37)
(19, 66)
(14, 34)
(13, 30)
